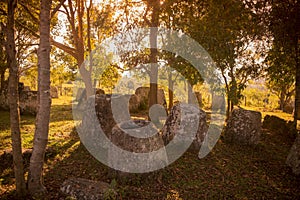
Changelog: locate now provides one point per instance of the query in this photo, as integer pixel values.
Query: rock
(243, 127)
(53, 92)
(81, 93)
(274, 123)
(28, 102)
(135, 137)
(134, 103)
(280, 126)
(110, 110)
(175, 125)
(143, 95)
(104, 113)
(293, 159)
(84, 189)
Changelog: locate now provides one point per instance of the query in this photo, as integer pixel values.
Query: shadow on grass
(6, 160)
(61, 113)
(228, 172)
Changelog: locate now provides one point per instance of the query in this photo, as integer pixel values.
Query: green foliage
(109, 78)
(281, 59)
(63, 67)
(224, 29)
(257, 95)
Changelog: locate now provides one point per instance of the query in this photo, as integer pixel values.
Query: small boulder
(143, 95)
(134, 103)
(185, 118)
(28, 102)
(84, 189)
(243, 127)
(293, 159)
(135, 138)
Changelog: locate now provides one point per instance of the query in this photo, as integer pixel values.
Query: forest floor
(228, 172)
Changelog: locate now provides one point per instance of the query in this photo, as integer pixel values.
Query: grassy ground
(264, 112)
(228, 172)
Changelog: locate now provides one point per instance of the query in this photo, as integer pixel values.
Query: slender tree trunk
(297, 84)
(171, 90)
(2, 80)
(14, 100)
(35, 182)
(281, 101)
(154, 67)
(191, 99)
(86, 75)
(153, 52)
(228, 96)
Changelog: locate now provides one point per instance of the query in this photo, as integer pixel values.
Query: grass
(228, 172)
(277, 113)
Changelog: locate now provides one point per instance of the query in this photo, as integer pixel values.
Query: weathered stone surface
(280, 126)
(143, 95)
(81, 93)
(293, 159)
(136, 136)
(28, 102)
(53, 92)
(177, 123)
(110, 110)
(243, 127)
(134, 103)
(104, 113)
(84, 189)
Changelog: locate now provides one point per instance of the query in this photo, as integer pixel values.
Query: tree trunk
(35, 182)
(281, 101)
(153, 52)
(154, 68)
(2, 77)
(297, 84)
(14, 101)
(191, 98)
(171, 90)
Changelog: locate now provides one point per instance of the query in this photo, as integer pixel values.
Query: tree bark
(297, 84)
(14, 100)
(77, 30)
(191, 99)
(35, 182)
(171, 90)
(2, 80)
(153, 52)
(154, 67)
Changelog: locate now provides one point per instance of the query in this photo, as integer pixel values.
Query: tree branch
(65, 48)
(29, 12)
(56, 9)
